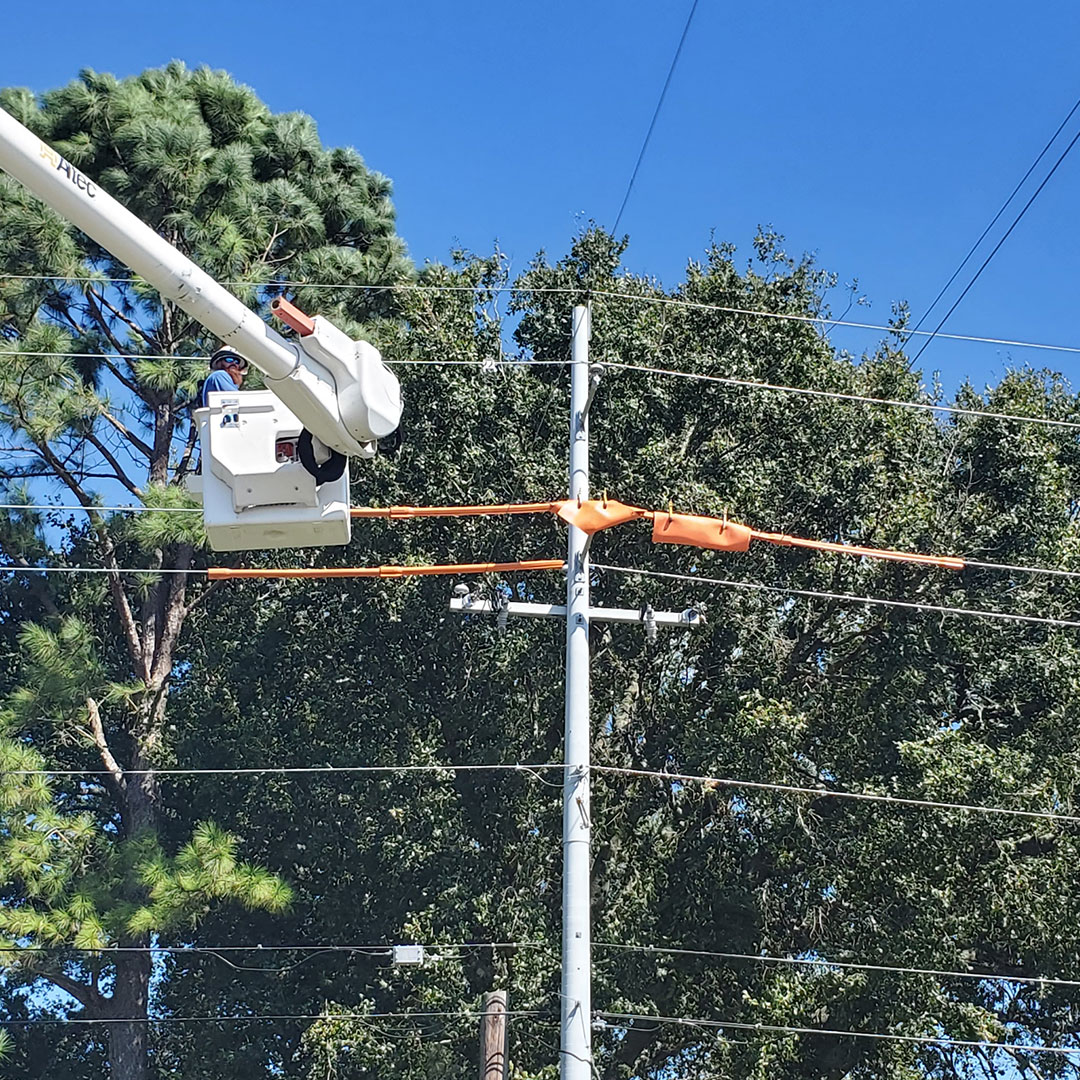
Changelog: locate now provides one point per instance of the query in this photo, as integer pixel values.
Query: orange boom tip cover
(705, 532)
(291, 315)
(592, 515)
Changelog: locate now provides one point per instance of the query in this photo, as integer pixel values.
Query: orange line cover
(593, 515)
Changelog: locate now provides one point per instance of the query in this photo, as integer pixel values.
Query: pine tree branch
(120, 377)
(201, 598)
(189, 449)
(38, 583)
(143, 447)
(97, 299)
(172, 617)
(123, 607)
(121, 475)
(83, 994)
(97, 730)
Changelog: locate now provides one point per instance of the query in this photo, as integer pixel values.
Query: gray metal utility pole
(575, 1048)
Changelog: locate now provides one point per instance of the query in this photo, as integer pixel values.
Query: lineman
(227, 371)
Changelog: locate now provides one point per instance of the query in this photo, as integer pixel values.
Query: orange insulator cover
(592, 515)
(706, 532)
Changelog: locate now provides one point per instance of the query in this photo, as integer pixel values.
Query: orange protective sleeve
(705, 532)
(396, 513)
(946, 562)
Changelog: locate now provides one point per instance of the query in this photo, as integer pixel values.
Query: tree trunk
(128, 1041)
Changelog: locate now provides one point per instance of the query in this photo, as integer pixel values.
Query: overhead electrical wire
(824, 320)
(838, 395)
(784, 1029)
(833, 793)
(913, 605)
(845, 965)
(297, 770)
(674, 301)
(464, 1014)
(656, 114)
(752, 384)
(994, 220)
(536, 770)
(996, 248)
(444, 950)
(601, 519)
(380, 950)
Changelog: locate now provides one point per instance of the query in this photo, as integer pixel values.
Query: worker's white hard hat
(227, 356)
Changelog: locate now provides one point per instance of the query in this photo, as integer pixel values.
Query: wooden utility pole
(493, 1064)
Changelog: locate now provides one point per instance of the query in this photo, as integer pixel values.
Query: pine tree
(96, 383)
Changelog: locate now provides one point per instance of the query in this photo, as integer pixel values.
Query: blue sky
(882, 137)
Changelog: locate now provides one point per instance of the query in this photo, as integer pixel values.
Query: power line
(754, 384)
(576, 291)
(841, 396)
(815, 594)
(434, 952)
(536, 769)
(823, 320)
(831, 793)
(296, 770)
(782, 1029)
(487, 364)
(656, 113)
(983, 976)
(913, 605)
(994, 220)
(13, 569)
(50, 508)
(996, 248)
(379, 949)
(464, 1014)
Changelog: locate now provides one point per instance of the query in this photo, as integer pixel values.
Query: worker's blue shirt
(217, 380)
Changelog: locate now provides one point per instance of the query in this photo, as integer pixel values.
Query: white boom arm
(340, 389)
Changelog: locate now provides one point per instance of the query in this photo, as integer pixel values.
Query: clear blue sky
(882, 137)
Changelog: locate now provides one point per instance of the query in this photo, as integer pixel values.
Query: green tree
(788, 689)
(96, 385)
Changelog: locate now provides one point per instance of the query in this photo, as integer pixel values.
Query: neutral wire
(996, 248)
(994, 220)
(656, 113)
(287, 770)
(182, 949)
(535, 770)
(830, 793)
(837, 395)
(50, 508)
(753, 384)
(572, 291)
(10, 568)
(265, 1017)
(697, 305)
(982, 976)
(486, 364)
(848, 597)
(783, 1029)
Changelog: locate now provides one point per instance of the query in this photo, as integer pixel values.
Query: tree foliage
(96, 385)
(787, 686)
(779, 688)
